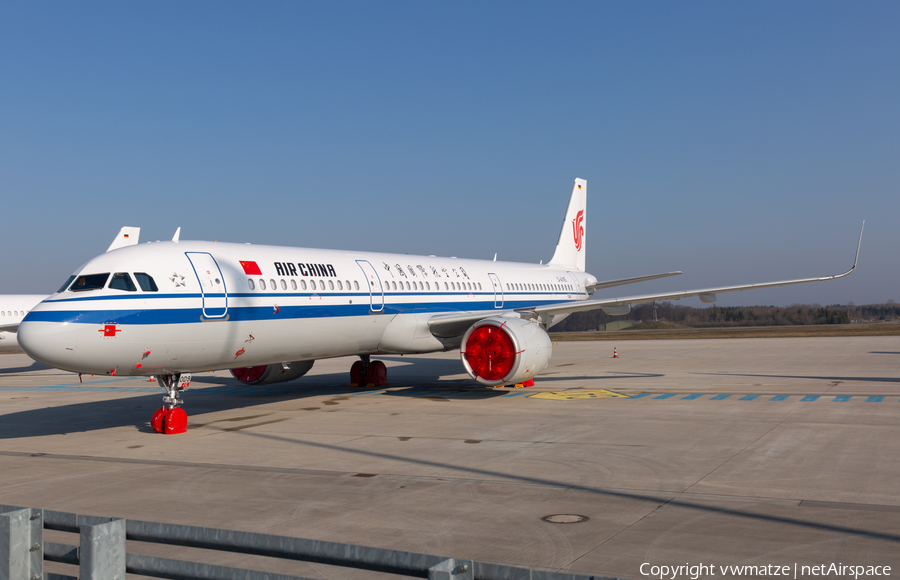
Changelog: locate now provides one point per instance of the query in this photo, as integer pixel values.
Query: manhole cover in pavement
(565, 519)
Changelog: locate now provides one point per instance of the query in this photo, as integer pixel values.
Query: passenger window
(272, 284)
(283, 284)
(479, 285)
(293, 284)
(340, 286)
(122, 281)
(421, 286)
(355, 285)
(262, 284)
(66, 285)
(347, 282)
(303, 284)
(427, 286)
(251, 284)
(145, 281)
(89, 282)
(330, 285)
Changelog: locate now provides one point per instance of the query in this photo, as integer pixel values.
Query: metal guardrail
(102, 555)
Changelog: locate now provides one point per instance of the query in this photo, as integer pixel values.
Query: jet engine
(497, 351)
(277, 373)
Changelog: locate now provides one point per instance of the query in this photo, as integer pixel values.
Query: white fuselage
(223, 305)
(13, 308)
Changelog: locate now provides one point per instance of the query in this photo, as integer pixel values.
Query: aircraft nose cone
(51, 343)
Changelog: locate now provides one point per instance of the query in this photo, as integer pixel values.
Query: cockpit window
(89, 282)
(146, 282)
(122, 281)
(66, 285)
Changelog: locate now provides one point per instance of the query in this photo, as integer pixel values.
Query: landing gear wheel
(357, 374)
(175, 422)
(170, 419)
(157, 420)
(376, 375)
(359, 371)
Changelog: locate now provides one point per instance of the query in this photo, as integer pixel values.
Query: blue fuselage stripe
(148, 316)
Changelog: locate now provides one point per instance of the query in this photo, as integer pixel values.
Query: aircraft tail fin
(127, 236)
(570, 249)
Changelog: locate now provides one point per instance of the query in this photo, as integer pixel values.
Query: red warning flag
(250, 268)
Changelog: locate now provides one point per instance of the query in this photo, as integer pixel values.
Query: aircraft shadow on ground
(35, 366)
(420, 380)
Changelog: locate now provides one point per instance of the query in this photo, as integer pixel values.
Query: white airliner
(13, 307)
(267, 313)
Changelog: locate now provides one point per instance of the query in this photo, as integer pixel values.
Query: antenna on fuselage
(177, 234)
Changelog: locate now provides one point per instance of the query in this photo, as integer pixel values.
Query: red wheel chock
(169, 421)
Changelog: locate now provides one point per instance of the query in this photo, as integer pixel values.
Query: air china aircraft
(267, 313)
(13, 307)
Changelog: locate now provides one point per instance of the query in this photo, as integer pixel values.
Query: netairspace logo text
(695, 571)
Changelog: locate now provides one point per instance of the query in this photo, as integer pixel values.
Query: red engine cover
(277, 373)
(505, 350)
(490, 353)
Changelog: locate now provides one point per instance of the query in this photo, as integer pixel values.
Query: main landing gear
(170, 419)
(367, 372)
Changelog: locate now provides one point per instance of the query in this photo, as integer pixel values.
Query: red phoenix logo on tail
(578, 230)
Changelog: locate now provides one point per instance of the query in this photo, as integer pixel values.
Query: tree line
(734, 316)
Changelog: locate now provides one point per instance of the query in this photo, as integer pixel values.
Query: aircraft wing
(609, 284)
(707, 295)
(454, 324)
(9, 327)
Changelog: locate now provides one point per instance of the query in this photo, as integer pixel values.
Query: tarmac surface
(723, 452)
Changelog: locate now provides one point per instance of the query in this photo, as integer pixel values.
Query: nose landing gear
(170, 419)
(368, 372)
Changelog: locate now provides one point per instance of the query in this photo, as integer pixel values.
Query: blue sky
(736, 142)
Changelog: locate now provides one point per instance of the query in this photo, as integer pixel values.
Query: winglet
(177, 235)
(858, 245)
(127, 236)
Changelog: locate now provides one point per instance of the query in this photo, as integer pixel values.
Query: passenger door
(213, 294)
(376, 291)
(498, 290)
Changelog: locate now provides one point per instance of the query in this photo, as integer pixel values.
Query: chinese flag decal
(250, 268)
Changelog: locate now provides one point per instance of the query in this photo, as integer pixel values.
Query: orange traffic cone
(615, 353)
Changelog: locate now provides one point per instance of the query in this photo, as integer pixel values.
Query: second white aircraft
(267, 313)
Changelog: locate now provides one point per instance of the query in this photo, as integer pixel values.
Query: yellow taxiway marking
(579, 394)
